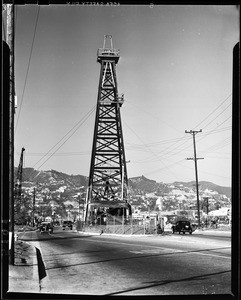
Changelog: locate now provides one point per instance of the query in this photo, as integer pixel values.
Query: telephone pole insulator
(195, 158)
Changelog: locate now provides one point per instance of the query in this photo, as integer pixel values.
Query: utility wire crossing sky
(175, 70)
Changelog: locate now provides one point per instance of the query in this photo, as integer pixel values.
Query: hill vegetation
(57, 193)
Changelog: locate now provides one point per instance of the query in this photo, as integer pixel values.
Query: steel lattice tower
(108, 183)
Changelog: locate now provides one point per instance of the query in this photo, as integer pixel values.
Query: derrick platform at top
(108, 52)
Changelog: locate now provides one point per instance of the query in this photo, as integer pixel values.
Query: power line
(178, 146)
(179, 140)
(217, 116)
(83, 121)
(58, 154)
(171, 152)
(26, 77)
(146, 112)
(150, 150)
(78, 124)
(219, 145)
(198, 125)
(210, 132)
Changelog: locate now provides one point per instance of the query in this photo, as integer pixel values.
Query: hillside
(203, 185)
(63, 192)
(44, 177)
(139, 185)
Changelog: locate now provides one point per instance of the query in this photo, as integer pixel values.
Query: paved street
(133, 265)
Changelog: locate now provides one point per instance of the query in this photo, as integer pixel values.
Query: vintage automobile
(67, 224)
(182, 226)
(46, 227)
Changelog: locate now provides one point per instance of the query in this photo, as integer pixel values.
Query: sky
(175, 71)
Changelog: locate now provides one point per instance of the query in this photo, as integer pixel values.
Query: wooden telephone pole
(8, 28)
(195, 158)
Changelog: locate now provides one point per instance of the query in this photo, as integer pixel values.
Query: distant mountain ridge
(209, 185)
(137, 185)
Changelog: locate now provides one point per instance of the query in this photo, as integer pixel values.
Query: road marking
(177, 251)
(160, 248)
(179, 239)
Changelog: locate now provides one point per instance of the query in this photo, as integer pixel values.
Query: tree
(60, 210)
(22, 207)
(217, 205)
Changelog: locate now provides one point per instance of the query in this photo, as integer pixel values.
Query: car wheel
(190, 232)
(184, 232)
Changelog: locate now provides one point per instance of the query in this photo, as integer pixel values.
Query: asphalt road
(134, 265)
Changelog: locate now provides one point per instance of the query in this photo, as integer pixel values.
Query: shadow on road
(47, 236)
(152, 284)
(136, 257)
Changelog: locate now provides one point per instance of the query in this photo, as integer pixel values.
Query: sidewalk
(215, 232)
(23, 275)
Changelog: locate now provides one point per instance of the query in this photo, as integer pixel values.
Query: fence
(116, 228)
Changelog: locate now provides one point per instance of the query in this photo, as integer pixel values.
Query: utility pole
(207, 204)
(194, 132)
(33, 211)
(123, 179)
(8, 31)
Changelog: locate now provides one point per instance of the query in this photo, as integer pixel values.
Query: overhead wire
(210, 132)
(78, 125)
(73, 130)
(217, 116)
(26, 77)
(219, 145)
(59, 154)
(149, 149)
(171, 152)
(204, 135)
(184, 138)
(146, 112)
(198, 125)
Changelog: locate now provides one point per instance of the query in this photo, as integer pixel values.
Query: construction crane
(18, 183)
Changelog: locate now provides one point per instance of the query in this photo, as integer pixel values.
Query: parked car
(46, 227)
(67, 224)
(182, 226)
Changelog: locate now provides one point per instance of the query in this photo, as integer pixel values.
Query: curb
(122, 235)
(28, 269)
(23, 275)
(167, 232)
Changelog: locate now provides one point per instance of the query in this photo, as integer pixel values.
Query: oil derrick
(108, 183)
